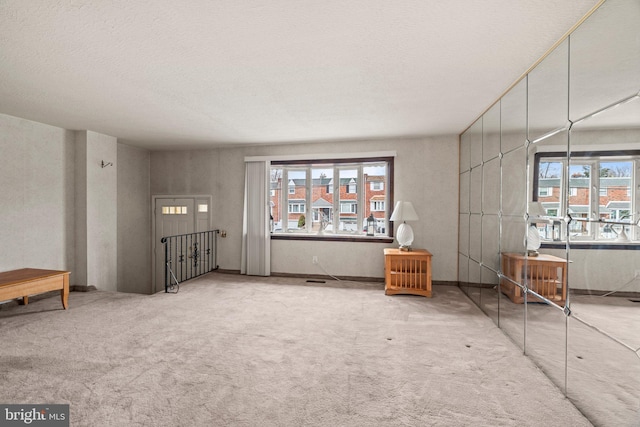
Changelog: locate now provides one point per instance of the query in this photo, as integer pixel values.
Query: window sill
(331, 238)
(628, 246)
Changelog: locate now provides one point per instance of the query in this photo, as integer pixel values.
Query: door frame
(153, 243)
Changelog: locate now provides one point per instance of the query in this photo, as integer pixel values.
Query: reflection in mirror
(604, 248)
(473, 291)
(464, 191)
(514, 183)
(465, 152)
(511, 285)
(547, 269)
(513, 118)
(489, 300)
(475, 255)
(491, 133)
(546, 339)
(475, 190)
(463, 272)
(547, 95)
(491, 242)
(463, 240)
(475, 142)
(463, 252)
(603, 373)
(491, 187)
(605, 58)
(511, 318)
(604, 202)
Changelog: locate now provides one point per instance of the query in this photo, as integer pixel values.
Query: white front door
(172, 217)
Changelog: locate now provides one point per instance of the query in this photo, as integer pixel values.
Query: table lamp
(404, 211)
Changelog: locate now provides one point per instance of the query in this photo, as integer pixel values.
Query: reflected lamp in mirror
(533, 240)
(404, 211)
(537, 214)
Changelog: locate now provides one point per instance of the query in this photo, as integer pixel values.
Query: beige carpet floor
(230, 350)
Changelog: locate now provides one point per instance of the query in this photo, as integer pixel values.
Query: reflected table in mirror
(545, 275)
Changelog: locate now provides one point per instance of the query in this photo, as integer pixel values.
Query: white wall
(36, 198)
(426, 172)
(96, 210)
(134, 220)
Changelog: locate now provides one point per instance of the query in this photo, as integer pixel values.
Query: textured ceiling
(165, 74)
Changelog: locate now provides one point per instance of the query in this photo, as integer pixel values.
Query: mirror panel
(463, 272)
(513, 118)
(490, 250)
(465, 151)
(491, 133)
(546, 339)
(547, 96)
(475, 255)
(489, 300)
(604, 251)
(465, 179)
(463, 252)
(514, 182)
(475, 142)
(511, 316)
(605, 58)
(473, 291)
(463, 236)
(475, 237)
(475, 190)
(491, 187)
(602, 374)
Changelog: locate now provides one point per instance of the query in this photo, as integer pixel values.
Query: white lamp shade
(404, 211)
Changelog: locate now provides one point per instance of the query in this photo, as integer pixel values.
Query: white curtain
(256, 237)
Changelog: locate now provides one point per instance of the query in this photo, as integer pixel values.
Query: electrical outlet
(314, 259)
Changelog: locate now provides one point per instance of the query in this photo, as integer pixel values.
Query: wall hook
(105, 164)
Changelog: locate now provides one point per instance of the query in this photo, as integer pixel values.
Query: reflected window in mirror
(595, 188)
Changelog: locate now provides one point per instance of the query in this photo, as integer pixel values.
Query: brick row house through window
(598, 188)
(338, 206)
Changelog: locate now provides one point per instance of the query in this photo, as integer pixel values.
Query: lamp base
(405, 236)
(405, 249)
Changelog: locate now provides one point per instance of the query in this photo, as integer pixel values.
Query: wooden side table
(545, 274)
(407, 272)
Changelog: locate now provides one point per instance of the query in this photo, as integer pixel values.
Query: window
(296, 208)
(351, 186)
(377, 205)
(331, 199)
(348, 207)
(545, 191)
(597, 191)
(174, 210)
(377, 185)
